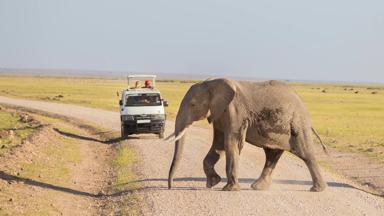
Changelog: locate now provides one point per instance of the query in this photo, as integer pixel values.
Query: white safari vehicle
(142, 107)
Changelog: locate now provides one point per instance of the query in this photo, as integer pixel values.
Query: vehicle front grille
(142, 117)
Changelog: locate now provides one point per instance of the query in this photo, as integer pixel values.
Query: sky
(328, 40)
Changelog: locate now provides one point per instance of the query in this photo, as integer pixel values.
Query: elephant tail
(325, 149)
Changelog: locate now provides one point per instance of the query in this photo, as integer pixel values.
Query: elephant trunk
(180, 129)
(179, 145)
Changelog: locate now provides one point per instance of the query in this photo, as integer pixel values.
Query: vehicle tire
(124, 134)
(161, 135)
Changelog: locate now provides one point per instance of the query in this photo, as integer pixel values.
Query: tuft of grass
(10, 121)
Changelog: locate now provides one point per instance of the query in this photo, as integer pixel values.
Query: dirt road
(288, 194)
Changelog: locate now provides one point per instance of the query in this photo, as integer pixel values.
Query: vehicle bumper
(154, 126)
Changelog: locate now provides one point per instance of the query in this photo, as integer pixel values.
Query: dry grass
(13, 130)
(349, 117)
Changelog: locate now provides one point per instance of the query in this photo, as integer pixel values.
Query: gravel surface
(288, 194)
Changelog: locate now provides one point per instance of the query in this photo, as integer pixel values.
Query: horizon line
(95, 73)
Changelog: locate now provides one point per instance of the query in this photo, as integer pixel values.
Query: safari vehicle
(142, 107)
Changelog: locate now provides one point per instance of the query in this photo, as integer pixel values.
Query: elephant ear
(222, 92)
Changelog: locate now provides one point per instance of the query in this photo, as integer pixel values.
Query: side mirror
(165, 103)
(121, 103)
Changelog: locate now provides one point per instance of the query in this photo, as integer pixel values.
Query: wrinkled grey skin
(268, 114)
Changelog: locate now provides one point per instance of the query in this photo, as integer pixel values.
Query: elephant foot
(213, 180)
(231, 187)
(318, 187)
(261, 184)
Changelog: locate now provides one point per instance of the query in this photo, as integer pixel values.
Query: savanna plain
(349, 118)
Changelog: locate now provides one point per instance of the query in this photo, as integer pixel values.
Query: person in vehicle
(143, 99)
(137, 84)
(147, 84)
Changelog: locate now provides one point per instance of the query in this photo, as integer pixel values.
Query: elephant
(266, 114)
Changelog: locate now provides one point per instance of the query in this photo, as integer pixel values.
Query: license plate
(143, 121)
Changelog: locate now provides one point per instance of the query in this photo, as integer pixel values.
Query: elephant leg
(272, 156)
(212, 157)
(301, 145)
(209, 162)
(231, 145)
(318, 182)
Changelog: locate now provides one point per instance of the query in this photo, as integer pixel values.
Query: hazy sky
(282, 39)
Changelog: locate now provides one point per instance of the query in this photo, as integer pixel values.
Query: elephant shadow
(12, 178)
(241, 180)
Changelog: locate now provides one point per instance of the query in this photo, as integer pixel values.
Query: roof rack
(132, 79)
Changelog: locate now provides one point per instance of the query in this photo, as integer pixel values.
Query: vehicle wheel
(161, 135)
(124, 133)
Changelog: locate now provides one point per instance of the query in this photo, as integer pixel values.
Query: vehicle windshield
(144, 99)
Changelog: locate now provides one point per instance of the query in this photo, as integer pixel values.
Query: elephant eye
(192, 104)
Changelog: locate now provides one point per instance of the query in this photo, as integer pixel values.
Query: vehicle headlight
(128, 117)
(158, 116)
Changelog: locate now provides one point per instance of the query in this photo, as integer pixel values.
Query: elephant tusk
(181, 134)
(178, 137)
(170, 136)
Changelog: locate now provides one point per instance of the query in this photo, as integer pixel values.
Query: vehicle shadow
(81, 137)
(11, 178)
